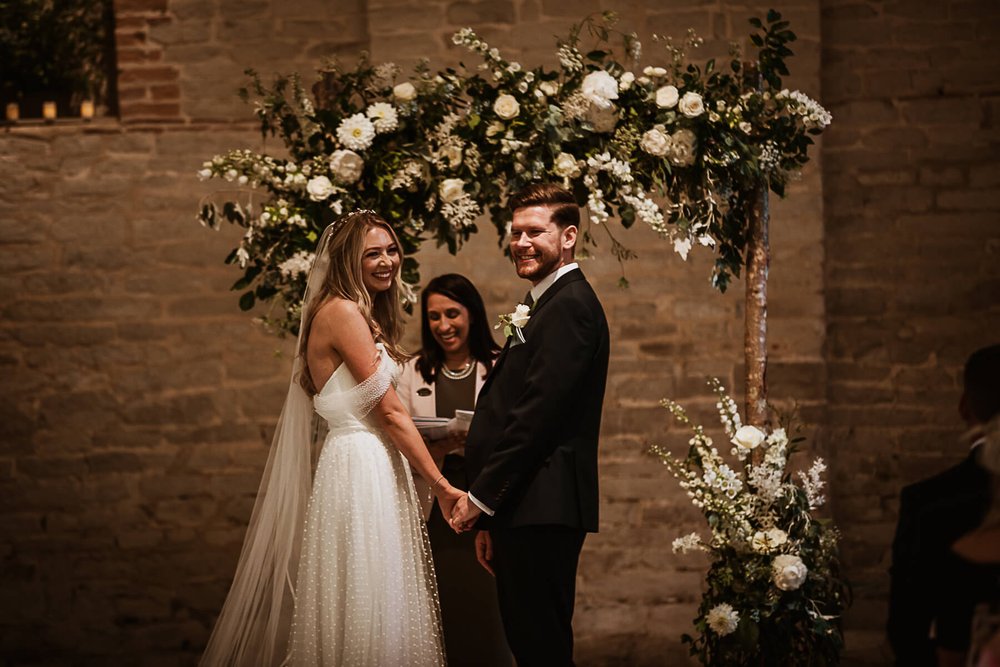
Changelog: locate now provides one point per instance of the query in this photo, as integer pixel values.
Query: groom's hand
(484, 550)
(464, 515)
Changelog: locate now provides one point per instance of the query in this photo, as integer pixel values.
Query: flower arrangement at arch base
(774, 592)
(679, 147)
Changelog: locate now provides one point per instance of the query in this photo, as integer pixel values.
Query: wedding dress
(366, 593)
(336, 566)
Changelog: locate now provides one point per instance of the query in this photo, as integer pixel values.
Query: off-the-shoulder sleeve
(365, 395)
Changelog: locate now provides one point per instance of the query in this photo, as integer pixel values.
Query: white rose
(451, 189)
(748, 437)
(566, 166)
(346, 166)
(520, 316)
(204, 174)
(666, 97)
(600, 88)
(506, 107)
(788, 572)
(550, 88)
(404, 91)
(625, 81)
(319, 188)
(655, 142)
(691, 105)
(745, 127)
(654, 71)
(683, 148)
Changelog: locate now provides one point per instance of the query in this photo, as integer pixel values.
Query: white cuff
(486, 510)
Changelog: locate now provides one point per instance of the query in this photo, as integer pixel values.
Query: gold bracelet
(434, 485)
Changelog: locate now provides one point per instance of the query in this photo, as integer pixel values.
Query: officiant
(457, 352)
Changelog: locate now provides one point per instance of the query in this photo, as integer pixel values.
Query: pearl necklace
(466, 371)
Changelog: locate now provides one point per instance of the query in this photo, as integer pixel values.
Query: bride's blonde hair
(343, 279)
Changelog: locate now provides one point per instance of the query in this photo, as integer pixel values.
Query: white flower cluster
(812, 113)
(723, 479)
(298, 264)
(690, 542)
(812, 483)
(407, 177)
(570, 58)
(647, 211)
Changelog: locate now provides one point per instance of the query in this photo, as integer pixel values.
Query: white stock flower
(656, 142)
(383, 116)
(722, 619)
(319, 188)
(666, 97)
(520, 316)
(506, 107)
(689, 542)
(451, 190)
(691, 105)
(404, 91)
(600, 88)
(682, 147)
(346, 166)
(297, 264)
(566, 166)
(748, 437)
(788, 572)
(356, 132)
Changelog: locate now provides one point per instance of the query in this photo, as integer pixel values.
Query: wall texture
(912, 277)
(136, 402)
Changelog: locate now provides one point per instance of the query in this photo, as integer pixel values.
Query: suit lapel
(571, 277)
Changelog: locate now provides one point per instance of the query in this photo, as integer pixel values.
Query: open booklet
(435, 428)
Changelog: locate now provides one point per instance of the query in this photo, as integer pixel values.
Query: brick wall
(913, 257)
(137, 402)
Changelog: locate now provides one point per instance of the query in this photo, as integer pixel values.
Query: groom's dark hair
(981, 381)
(565, 211)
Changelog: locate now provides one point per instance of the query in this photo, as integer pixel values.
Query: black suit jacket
(531, 452)
(929, 583)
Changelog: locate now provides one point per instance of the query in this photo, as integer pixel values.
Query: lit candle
(13, 111)
(86, 109)
(49, 110)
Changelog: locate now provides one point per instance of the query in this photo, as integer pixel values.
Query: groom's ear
(569, 234)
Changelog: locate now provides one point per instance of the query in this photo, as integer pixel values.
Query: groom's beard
(538, 268)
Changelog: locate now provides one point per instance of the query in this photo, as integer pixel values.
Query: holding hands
(463, 514)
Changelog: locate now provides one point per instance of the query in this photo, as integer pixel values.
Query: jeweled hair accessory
(339, 222)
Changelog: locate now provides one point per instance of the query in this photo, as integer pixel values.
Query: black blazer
(929, 583)
(531, 451)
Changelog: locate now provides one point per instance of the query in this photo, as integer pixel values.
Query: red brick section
(911, 177)
(143, 95)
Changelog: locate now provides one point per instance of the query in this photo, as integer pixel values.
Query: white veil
(254, 624)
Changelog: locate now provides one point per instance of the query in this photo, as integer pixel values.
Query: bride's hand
(447, 496)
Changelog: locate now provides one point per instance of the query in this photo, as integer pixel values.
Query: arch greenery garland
(678, 147)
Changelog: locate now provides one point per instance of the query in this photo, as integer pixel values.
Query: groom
(531, 451)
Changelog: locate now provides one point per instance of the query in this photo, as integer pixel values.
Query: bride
(335, 567)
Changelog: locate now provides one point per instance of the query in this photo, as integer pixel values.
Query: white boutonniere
(513, 323)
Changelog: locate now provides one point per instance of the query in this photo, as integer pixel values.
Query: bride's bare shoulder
(338, 316)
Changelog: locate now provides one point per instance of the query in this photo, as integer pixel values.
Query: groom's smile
(537, 244)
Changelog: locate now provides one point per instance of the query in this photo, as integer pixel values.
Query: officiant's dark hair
(565, 211)
(481, 344)
(981, 382)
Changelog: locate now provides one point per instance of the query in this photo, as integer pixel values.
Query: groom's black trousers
(536, 586)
